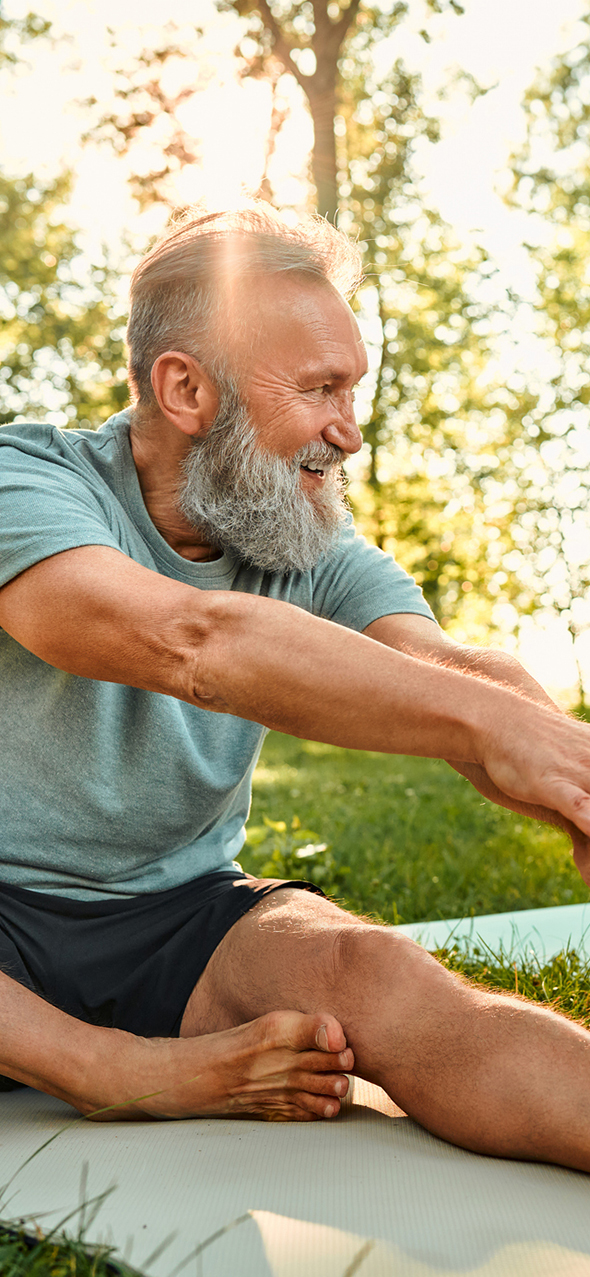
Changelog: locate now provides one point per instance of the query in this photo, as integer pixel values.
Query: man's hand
(416, 637)
(542, 758)
(481, 781)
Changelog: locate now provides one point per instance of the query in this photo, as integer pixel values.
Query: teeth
(312, 465)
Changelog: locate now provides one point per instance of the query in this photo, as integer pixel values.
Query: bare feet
(283, 1067)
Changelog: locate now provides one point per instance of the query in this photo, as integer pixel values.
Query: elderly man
(173, 585)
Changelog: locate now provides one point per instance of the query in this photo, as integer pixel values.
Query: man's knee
(375, 961)
(367, 951)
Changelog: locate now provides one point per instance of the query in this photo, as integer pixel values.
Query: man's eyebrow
(319, 376)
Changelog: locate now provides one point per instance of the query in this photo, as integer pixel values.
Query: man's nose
(342, 429)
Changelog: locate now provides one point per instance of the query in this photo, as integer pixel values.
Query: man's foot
(283, 1067)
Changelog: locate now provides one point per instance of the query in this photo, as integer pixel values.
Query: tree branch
(343, 25)
(281, 46)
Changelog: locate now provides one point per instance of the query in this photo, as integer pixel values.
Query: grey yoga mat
(369, 1193)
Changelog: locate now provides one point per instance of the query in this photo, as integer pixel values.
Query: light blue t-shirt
(106, 790)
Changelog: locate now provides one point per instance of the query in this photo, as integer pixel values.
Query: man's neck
(158, 452)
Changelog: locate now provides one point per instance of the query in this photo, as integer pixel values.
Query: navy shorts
(125, 964)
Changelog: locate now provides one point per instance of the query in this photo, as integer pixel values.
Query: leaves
(61, 342)
(281, 851)
(552, 183)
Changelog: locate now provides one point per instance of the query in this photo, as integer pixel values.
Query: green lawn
(407, 838)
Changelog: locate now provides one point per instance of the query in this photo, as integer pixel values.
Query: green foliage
(552, 182)
(443, 430)
(61, 342)
(16, 32)
(280, 852)
(140, 101)
(61, 339)
(408, 838)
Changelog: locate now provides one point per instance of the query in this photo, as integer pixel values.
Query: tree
(306, 39)
(61, 343)
(552, 182)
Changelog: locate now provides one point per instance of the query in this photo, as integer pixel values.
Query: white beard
(251, 503)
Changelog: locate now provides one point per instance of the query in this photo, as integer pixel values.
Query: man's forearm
(267, 661)
(314, 679)
(498, 667)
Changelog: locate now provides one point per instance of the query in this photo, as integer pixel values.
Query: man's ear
(185, 393)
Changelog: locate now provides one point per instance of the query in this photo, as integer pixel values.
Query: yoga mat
(369, 1193)
(543, 932)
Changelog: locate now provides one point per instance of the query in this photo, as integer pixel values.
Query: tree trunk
(581, 690)
(322, 105)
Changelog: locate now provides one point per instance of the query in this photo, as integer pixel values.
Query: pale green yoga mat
(369, 1194)
(543, 932)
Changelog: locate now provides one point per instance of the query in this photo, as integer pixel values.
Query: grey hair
(190, 290)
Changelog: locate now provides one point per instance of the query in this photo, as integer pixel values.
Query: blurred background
(454, 140)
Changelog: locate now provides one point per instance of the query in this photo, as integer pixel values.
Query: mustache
(321, 453)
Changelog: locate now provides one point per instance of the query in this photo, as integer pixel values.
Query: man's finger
(581, 852)
(330, 1036)
(573, 803)
(301, 1032)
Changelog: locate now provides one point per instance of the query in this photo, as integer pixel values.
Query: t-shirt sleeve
(45, 508)
(360, 583)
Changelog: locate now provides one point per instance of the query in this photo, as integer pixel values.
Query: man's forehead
(314, 325)
(292, 298)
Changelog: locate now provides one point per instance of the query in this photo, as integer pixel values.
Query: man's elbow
(211, 647)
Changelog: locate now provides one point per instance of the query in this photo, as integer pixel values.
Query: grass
(27, 1251)
(400, 839)
(35, 1255)
(563, 983)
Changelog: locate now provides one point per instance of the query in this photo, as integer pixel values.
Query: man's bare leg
(488, 1072)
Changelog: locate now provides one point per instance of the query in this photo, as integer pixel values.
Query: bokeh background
(453, 140)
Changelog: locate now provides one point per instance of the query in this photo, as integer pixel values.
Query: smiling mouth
(317, 471)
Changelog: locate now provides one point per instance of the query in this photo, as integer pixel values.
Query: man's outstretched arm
(94, 612)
